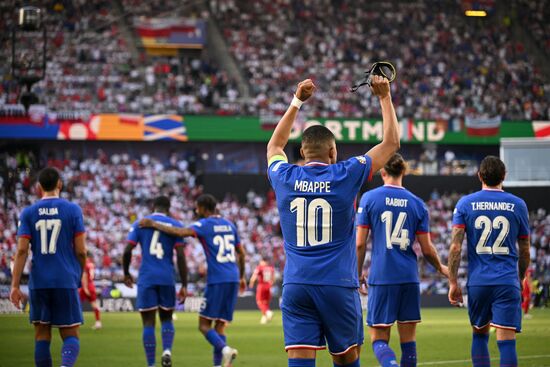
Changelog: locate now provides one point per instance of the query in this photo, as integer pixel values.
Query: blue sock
(301, 362)
(42, 356)
(352, 364)
(149, 344)
(384, 354)
(214, 338)
(69, 351)
(408, 354)
(508, 355)
(217, 354)
(480, 350)
(167, 332)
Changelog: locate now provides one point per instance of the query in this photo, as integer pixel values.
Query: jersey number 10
(307, 217)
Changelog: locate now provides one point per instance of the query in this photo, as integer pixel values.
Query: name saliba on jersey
(48, 211)
(312, 186)
(490, 205)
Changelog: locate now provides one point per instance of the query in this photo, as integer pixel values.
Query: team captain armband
(276, 158)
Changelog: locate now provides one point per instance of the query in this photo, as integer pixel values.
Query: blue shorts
(314, 315)
(59, 307)
(498, 305)
(151, 297)
(219, 301)
(387, 304)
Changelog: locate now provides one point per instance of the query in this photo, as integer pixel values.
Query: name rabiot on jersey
(493, 221)
(157, 248)
(316, 209)
(395, 216)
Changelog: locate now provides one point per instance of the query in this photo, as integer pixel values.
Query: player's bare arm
(390, 144)
(362, 234)
(169, 230)
(524, 260)
(430, 253)
(16, 296)
(80, 249)
(253, 279)
(126, 259)
(279, 139)
(241, 257)
(455, 254)
(182, 268)
(84, 281)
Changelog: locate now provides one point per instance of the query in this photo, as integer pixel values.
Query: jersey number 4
(396, 235)
(307, 217)
(486, 225)
(45, 225)
(155, 248)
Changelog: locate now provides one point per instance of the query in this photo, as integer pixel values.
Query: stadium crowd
(534, 16)
(90, 68)
(448, 66)
(114, 191)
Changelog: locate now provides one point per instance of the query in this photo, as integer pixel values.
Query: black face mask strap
(365, 81)
(374, 70)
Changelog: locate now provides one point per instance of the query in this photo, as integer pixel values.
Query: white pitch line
(469, 360)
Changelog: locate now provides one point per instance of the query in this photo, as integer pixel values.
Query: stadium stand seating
(449, 66)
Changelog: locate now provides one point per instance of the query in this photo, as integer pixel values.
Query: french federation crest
(361, 159)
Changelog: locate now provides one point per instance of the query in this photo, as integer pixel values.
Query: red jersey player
(264, 274)
(526, 293)
(87, 291)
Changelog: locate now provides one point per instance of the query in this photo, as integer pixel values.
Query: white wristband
(296, 102)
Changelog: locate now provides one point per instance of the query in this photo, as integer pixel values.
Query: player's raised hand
(380, 86)
(129, 281)
(146, 223)
(455, 295)
(182, 295)
(444, 271)
(305, 89)
(17, 297)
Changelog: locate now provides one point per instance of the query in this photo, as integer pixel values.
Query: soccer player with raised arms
(395, 217)
(493, 221)
(225, 258)
(321, 302)
(156, 282)
(53, 228)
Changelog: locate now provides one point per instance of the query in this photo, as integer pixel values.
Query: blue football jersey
(316, 210)
(157, 251)
(493, 221)
(219, 238)
(395, 216)
(51, 224)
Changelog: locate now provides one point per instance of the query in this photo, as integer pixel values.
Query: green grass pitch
(443, 340)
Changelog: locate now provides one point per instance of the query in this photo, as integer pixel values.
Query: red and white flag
(541, 129)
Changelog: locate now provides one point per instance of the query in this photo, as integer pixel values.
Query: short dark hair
(492, 170)
(317, 135)
(48, 178)
(396, 165)
(162, 203)
(207, 202)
